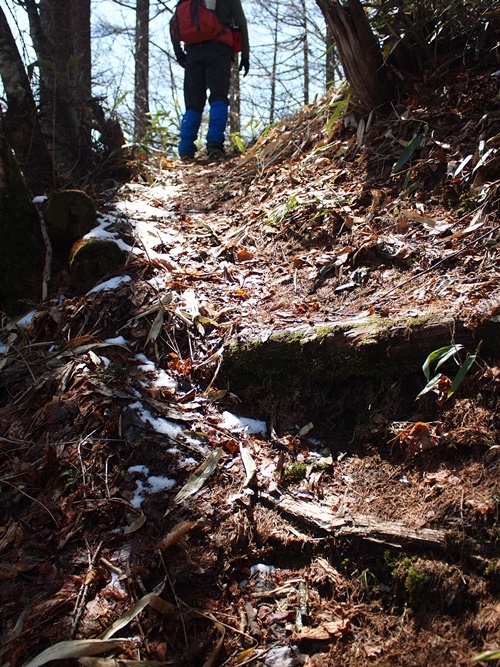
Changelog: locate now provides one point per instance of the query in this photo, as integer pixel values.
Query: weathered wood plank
(363, 526)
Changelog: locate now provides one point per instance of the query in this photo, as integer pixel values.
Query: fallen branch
(47, 269)
(363, 526)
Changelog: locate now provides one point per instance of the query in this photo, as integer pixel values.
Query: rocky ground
(341, 521)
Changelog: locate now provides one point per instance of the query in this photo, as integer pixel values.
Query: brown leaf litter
(132, 513)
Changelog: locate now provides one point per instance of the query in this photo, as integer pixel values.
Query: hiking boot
(215, 154)
(187, 159)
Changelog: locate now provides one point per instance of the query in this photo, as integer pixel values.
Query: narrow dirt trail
(149, 505)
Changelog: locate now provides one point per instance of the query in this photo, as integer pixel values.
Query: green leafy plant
(237, 141)
(279, 213)
(410, 148)
(486, 656)
(437, 359)
(338, 109)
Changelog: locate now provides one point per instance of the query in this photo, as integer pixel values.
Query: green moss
(295, 471)
(91, 260)
(298, 470)
(421, 320)
(70, 214)
(416, 586)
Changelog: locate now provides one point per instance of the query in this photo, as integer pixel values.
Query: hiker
(207, 66)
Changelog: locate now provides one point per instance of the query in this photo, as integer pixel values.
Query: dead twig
(80, 600)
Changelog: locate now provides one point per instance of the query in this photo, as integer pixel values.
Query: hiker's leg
(195, 92)
(218, 77)
(190, 125)
(217, 126)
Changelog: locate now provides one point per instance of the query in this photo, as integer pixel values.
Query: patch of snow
(40, 199)
(160, 425)
(262, 569)
(146, 364)
(119, 340)
(157, 483)
(152, 484)
(243, 424)
(110, 284)
(239, 496)
(3, 348)
(100, 232)
(283, 656)
(105, 361)
(143, 209)
(140, 470)
(165, 380)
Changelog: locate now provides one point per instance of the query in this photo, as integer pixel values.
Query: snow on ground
(149, 485)
(110, 284)
(243, 424)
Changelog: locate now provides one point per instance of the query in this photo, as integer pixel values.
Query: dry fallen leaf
(177, 532)
(244, 255)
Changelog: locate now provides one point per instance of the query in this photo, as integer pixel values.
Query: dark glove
(181, 57)
(244, 65)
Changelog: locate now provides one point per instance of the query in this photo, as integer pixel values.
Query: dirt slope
(359, 528)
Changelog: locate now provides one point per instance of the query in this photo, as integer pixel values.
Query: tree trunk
(358, 51)
(274, 71)
(60, 30)
(21, 242)
(235, 101)
(330, 69)
(305, 50)
(81, 49)
(20, 122)
(141, 90)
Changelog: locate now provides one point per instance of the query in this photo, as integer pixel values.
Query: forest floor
(153, 515)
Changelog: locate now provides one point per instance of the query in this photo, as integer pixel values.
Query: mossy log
(22, 249)
(328, 355)
(70, 214)
(91, 260)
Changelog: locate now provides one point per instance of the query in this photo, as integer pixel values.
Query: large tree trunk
(358, 50)
(81, 49)
(60, 30)
(21, 243)
(20, 122)
(141, 90)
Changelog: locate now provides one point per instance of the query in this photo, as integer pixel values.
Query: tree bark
(235, 101)
(141, 90)
(330, 70)
(20, 123)
(305, 51)
(60, 30)
(274, 70)
(358, 50)
(21, 242)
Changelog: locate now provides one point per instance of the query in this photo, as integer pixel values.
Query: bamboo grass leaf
(411, 147)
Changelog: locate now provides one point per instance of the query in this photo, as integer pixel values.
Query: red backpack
(192, 23)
